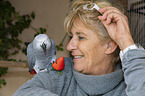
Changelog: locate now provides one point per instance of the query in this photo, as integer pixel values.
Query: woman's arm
(133, 64)
(40, 85)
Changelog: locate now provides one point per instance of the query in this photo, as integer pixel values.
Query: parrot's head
(42, 42)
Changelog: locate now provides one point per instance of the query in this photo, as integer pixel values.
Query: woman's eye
(81, 38)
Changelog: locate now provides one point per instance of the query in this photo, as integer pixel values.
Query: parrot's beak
(44, 47)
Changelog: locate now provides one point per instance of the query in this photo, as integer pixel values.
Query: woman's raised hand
(117, 26)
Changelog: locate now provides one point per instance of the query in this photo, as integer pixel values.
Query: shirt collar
(95, 85)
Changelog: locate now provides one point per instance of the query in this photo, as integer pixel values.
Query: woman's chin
(77, 68)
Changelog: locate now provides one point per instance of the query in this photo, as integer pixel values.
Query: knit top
(126, 81)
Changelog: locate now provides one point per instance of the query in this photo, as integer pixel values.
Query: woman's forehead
(79, 24)
(81, 30)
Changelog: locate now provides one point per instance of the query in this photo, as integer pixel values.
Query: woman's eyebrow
(78, 33)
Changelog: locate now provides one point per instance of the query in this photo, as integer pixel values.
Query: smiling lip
(78, 57)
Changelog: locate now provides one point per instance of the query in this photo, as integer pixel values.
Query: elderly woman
(97, 35)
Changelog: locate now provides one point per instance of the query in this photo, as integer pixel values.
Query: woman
(96, 35)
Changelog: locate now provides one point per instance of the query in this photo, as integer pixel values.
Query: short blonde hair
(89, 18)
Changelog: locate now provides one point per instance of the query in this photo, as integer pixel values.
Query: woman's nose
(72, 45)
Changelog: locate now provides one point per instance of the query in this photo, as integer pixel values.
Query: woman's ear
(110, 47)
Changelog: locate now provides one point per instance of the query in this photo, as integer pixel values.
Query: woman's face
(89, 53)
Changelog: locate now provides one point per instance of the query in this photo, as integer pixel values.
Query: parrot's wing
(30, 57)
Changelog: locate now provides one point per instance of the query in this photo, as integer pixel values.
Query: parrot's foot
(60, 72)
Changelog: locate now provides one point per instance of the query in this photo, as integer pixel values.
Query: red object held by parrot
(33, 72)
(59, 64)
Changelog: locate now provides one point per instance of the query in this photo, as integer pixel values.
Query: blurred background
(43, 16)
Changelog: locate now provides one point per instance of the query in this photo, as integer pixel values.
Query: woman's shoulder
(68, 69)
(57, 78)
(68, 62)
(54, 74)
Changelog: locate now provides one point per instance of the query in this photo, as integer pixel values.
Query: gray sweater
(126, 81)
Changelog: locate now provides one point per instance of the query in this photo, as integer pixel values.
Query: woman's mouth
(78, 57)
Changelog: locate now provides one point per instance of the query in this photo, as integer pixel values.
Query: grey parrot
(41, 53)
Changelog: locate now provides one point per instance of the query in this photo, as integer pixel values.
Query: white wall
(14, 78)
(49, 14)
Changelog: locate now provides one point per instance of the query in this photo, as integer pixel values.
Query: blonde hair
(89, 18)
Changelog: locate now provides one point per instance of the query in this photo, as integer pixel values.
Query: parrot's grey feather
(53, 46)
(30, 57)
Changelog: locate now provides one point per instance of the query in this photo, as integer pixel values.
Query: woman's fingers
(117, 26)
(108, 14)
(112, 18)
(102, 10)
